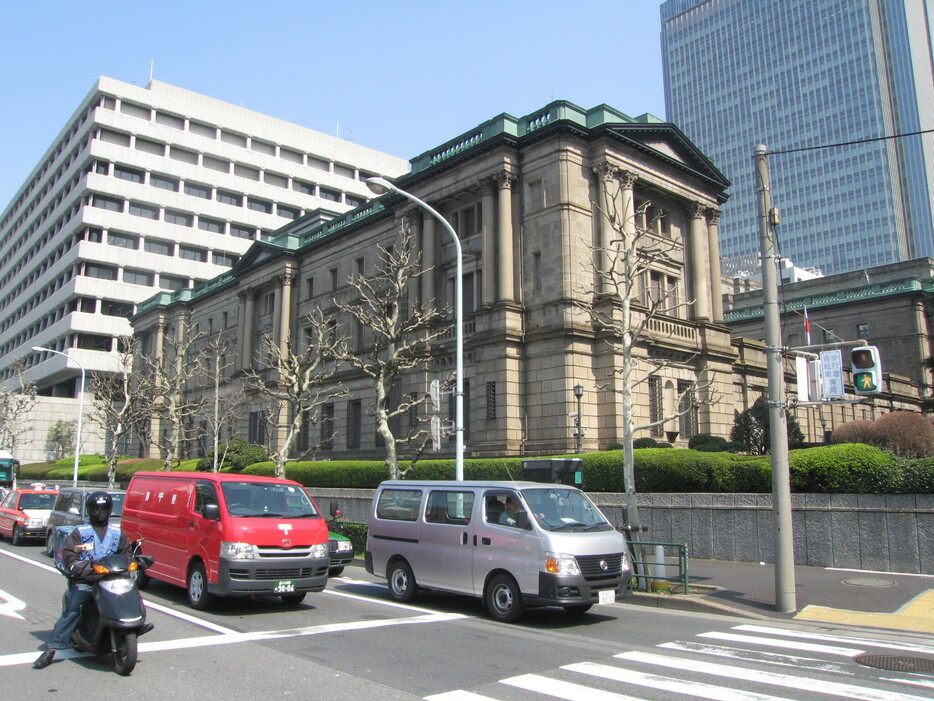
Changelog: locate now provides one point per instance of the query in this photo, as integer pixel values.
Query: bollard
(660, 570)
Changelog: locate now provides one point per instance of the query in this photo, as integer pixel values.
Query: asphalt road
(352, 642)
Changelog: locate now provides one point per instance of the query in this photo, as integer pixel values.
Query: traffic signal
(866, 365)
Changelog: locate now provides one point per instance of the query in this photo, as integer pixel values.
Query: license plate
(286, 585)
(607, 596)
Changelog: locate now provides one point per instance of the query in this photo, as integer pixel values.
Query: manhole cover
(869, 582)
(897, 663)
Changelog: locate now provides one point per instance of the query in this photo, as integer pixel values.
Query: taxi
(24, 513)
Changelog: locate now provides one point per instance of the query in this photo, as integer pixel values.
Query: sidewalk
(875, 599)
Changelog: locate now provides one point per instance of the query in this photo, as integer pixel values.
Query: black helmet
(99, 506)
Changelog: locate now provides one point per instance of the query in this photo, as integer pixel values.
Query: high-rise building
(823, 84)
(149, 189)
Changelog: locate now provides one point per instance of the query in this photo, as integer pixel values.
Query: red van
(228, 535)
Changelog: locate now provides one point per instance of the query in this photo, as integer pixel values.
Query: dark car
(70, 511)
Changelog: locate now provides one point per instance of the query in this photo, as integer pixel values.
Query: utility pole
(785, 594)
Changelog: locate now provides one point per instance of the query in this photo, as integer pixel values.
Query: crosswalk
(749, 661)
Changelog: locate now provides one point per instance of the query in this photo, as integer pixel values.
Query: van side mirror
(522, 520)
(332, 507)
(212, 512)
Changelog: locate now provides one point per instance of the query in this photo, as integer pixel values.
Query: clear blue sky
(401, 76)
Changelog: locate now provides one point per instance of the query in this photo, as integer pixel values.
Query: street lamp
(380, 186)
(40, 349)
(578, 392)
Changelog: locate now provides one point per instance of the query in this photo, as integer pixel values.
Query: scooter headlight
(561, 563)
(117, 586)
(238, 551)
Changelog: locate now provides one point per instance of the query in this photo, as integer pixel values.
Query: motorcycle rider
(86, 543)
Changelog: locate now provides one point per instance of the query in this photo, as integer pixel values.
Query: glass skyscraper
(797, 74)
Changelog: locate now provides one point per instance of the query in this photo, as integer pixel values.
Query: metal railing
(650, 571)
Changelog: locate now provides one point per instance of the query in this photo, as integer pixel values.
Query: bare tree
(227, 400)
(173, 373)
(122, 401)
(16, 401)
(625, 300)
(402, 332)
(295, 382)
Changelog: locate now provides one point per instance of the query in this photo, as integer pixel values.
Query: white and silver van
(515, 544)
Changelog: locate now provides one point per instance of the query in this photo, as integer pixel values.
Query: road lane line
(772, 658)
(562, 689)
(405, 607)
(788, 681)
(810, 635)
(458, 695)
(787, 644)
(693, 689)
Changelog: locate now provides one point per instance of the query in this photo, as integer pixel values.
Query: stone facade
(521, 195)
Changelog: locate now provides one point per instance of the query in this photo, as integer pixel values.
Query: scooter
(117, 616)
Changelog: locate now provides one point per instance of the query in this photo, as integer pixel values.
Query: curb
(694, 603)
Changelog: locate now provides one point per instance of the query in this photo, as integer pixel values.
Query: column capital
(504, 179)
(698, 210)
(627, 178)
(605, 171)
(713, 216)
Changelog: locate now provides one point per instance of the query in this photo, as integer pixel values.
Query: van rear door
(445, 539)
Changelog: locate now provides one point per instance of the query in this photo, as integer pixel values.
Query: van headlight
(319, 550)
(561, 563)
(627, 561)
(238, 551)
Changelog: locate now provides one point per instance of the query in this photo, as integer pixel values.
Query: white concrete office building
(148, 189)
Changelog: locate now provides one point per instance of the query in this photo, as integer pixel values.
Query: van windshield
(559, 509)
(269, 500)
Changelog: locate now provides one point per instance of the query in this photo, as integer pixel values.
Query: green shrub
(83, 461)
(357, 534)
(845, 468)
(237, 454)
(917, 476)
(699, 439)
(646, 442)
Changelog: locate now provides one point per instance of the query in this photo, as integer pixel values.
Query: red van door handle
(191, 523)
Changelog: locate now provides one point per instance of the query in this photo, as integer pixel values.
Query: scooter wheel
(125, 653)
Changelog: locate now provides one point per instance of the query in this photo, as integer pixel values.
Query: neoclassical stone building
(521, 194)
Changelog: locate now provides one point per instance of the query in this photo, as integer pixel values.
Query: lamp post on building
(578, 392)
(40, 349)
(380, 186)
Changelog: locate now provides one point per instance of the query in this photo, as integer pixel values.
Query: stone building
(521, 194)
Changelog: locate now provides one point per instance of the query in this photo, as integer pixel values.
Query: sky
(399, 76)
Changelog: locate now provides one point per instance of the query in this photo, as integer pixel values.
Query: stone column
(713, 250)
(284, 297)
(700, 266)
(505, 270)
(246, 353)
(604, 175)
(627, 201)
(429, 241)
(489, 242)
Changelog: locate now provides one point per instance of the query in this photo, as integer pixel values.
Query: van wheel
(293, 599)
(503, 599)
(402, 585)
(198, 596)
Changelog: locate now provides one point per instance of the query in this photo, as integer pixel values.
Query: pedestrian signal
(866, 364)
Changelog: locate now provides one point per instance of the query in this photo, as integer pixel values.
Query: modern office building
(821, 83)
(149, 189)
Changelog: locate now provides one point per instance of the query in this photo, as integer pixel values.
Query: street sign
(801, 378)
(436, 433)
(831, 362)
(434, 391)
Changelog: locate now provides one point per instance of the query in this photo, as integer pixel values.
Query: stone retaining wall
(882, 532)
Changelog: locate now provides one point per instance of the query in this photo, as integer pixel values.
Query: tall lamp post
(40, 349)
(578, 392)
(380, 186)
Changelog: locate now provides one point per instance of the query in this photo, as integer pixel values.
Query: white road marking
(772, 658)
(563, 690)
(810, 635)
(458, 695)
(788, 644)
(11, 605)
(813, 686)
(693, 689)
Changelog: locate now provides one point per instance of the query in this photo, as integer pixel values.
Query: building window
(862, 331)
(332, 195)
(135, 110)
(257, 428)
(218, 164)
(259, 205)
(354, 423)
(147, 146)
(228, 260)
(99, 271)
(231, 137)
(202, 129)
(353, 201)
(310, 287)
(242, 232)
(537, 271)
(469, 219)
(109, 203)
(303, 187)
(212, 225)
(170, 120)
(688, 409)
(163, 182)
(655, 405)
(227, 197)
(490, 400)
(192, 253)
(275, 179)
(327, 427)
(183, 155)
(198, 190)
(333, 274)
(247, 172)
(289, 155)
(829, 336)
(131, 174)
(138, 277)
(122, 240)
(146, 211)
(287, 212)
(181, 218)
(111, 307)
(172, 283)
(163, 248)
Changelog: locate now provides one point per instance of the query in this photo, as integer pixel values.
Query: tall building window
(327, 427)
(656, 408)
(257, 428)
(490, 400)
(354, 423)
(687, 406)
